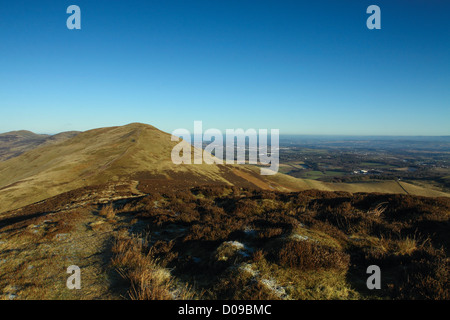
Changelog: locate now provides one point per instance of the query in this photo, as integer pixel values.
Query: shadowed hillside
(14, 143)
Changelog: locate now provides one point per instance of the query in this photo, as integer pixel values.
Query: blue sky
(305, 68)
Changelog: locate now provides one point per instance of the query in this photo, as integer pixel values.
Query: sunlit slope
(390, 186)
(142, 152)
(134, 151)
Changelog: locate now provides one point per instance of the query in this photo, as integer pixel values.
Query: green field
(319, 174)
(378, 165)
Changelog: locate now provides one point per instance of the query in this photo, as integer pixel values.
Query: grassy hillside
(14, 143)
(223, 242)
(135, 151)
(139, 152)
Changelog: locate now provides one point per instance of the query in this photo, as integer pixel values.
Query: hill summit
(132, 152)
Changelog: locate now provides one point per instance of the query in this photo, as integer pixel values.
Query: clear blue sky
(301, 67)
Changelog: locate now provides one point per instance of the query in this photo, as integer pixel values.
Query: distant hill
(135, 152)
(132, 152)
(14, 143)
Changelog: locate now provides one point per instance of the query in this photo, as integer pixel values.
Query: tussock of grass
(148, 280)
(407, 246)
(314, 284)
(306, 255)
(107, 211)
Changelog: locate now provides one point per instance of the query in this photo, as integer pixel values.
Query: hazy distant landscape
(424, 161)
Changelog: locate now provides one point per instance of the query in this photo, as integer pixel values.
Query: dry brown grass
(148, 280)
(297, 242)
(378, 210)
(305, 255)
(407, 246)
(107, 211)
(238, 285)
(35, 253)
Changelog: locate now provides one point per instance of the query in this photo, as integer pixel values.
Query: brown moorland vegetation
(139, 152)
(225, 242)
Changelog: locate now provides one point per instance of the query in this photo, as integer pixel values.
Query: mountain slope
(131, 152)
(14, 143)
(139, 152)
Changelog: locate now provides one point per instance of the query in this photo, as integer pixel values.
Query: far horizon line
(311, 135)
